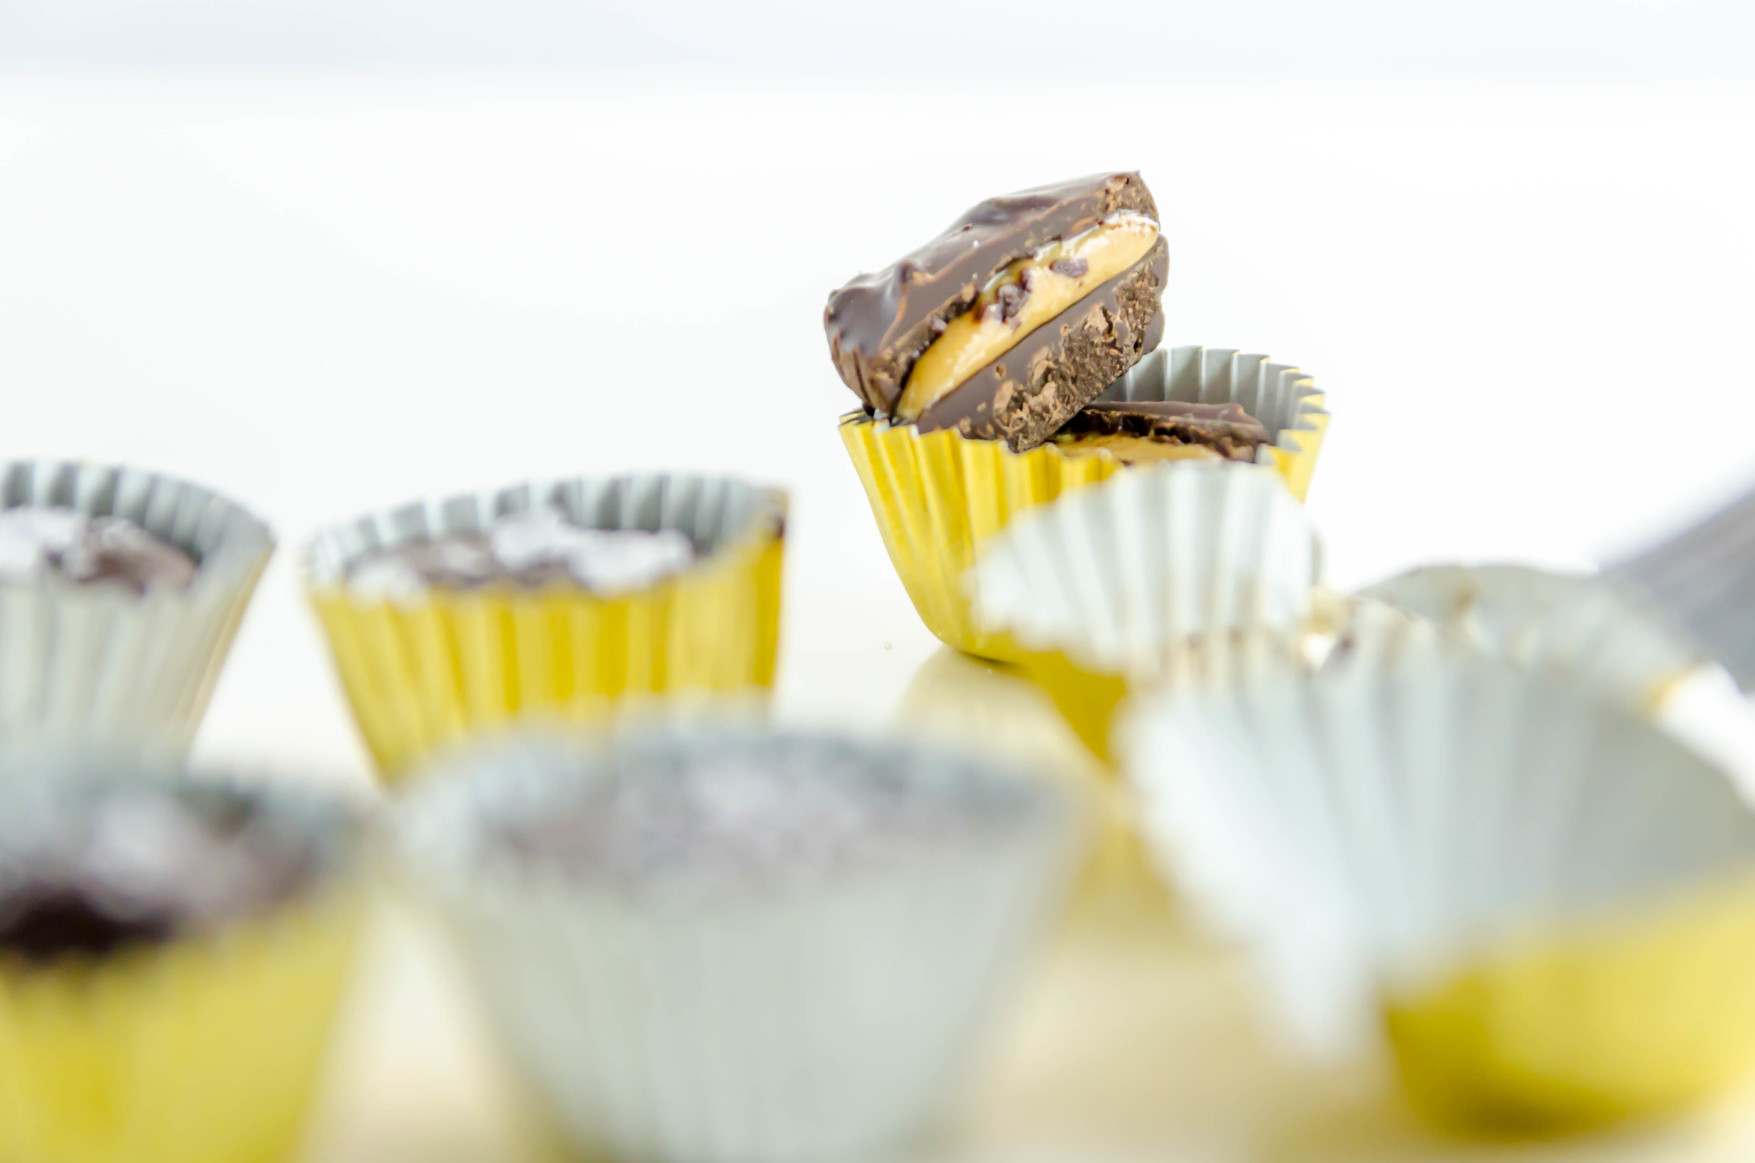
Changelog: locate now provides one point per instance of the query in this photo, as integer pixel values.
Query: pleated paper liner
(1702, 581)
(825, 1015)
(422, 673)
(939, 497)
(1548, 903)
(206, 1049)
(1160, 575)
(1578, 624)
(81, 662)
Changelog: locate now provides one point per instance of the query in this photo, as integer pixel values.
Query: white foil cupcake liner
(1703, 580)
(811, 1016)
(98, 662)
(1576, 624)
(820, 1016)
(1122, 576)
(1380, 834)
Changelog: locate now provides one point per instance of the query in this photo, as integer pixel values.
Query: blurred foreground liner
(172, 951)
(938, 498)
(1704, 579)
(1579, 625)
(723, 944)
(82, 661)
(1548, 903)
(1147, 579)
(423, 672)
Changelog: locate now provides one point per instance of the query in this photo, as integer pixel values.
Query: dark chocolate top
(878, 324)
(527, 550)
(36, 543)
(143, 870)
(1226, 428)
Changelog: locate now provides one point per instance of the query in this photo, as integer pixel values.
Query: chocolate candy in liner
(1137, 431)
(722, 943)
(120, 593)
(172, 952)
(1009, 322)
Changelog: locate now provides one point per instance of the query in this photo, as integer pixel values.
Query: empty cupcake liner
(939, 497)
(1158, 575)
(1549, 903)
(1703, 580)
(82, 662)
(1574, 623)
(828, 1016)
(206, 1049)
(422, 672)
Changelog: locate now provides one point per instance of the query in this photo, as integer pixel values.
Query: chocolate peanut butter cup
(803, 929)
(938, 497)
(172, 952)
(1139, 431)
(571, 599)
(1011, 320)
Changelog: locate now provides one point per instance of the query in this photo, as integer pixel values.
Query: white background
(1528, 303)
(332, 256)
(977, 43)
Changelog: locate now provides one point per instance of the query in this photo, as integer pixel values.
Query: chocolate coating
(1225, 428)
(1026, 394)
(878, 324)
(529, 550)
(740, 815)
(87, 550)
(59, 921)
(143, 870)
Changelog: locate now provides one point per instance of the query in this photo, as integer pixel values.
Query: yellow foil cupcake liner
(422, 673)
(204, 1049)
(204, 1052)
(939, 497)
(1624, 1019)
(1545, 902)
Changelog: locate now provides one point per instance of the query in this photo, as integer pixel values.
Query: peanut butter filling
(1133, 449)
(1021, 298)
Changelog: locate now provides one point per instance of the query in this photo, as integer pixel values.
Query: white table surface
(1528, 305)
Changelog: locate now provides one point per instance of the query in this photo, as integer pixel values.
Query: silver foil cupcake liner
(1703, 580)
(95, 662)
(1284, 398)
(1573, 624)
(813, 1017)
